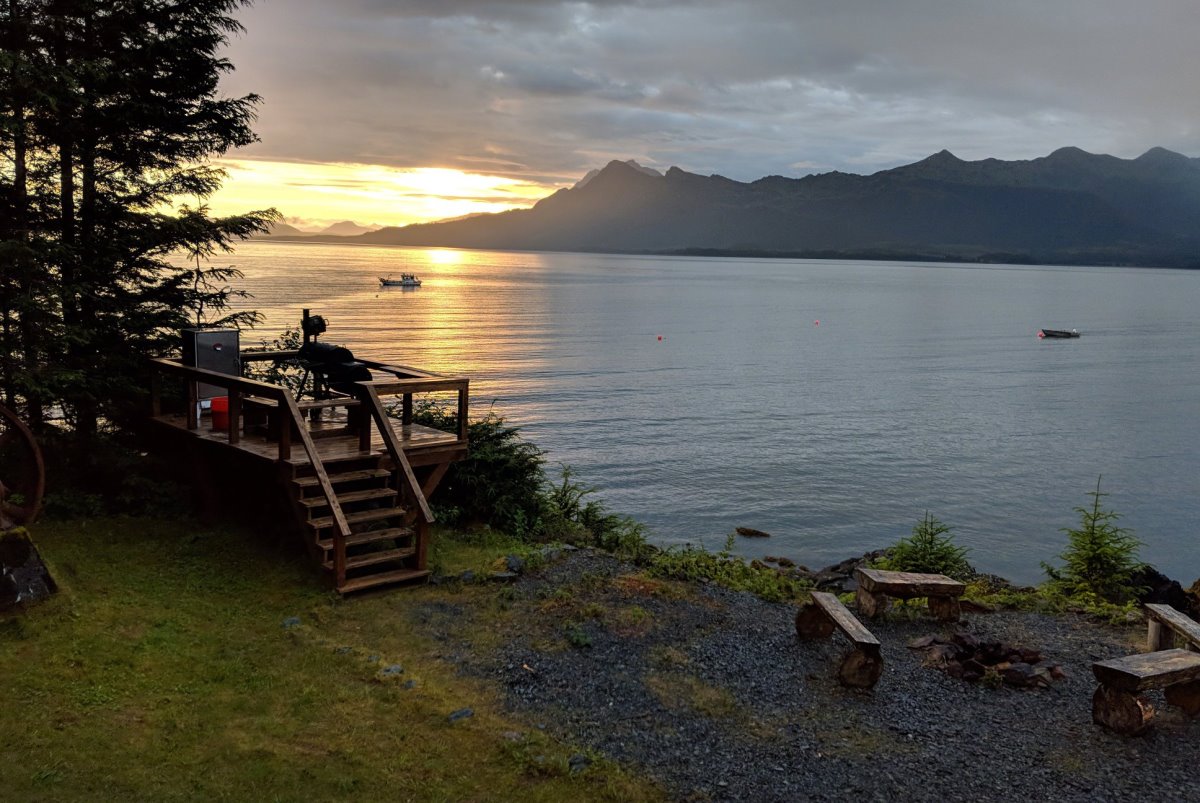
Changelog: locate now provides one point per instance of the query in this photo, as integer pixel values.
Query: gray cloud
(547, 90)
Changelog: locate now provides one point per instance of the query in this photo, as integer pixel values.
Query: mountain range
(1068, 207)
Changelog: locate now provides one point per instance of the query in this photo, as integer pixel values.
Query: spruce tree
(116, 147)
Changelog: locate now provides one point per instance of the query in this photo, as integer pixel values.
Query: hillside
(1069, 206)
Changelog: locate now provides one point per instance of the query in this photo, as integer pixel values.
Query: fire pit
(964, 656)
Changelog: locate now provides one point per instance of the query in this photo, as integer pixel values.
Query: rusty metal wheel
(22, 472)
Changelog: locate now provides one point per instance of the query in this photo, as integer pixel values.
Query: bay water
(829, 403)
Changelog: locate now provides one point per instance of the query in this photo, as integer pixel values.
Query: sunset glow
(320, 194)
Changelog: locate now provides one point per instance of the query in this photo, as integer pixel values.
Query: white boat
(405, 280)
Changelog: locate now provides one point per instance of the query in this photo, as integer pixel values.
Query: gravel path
(709, 692)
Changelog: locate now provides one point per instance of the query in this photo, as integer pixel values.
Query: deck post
(406, 410)
(193, 402)
(155, 394)
(285, 436)
(235, 416)
(462, 411)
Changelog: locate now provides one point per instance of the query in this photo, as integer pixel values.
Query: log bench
(1116, 704)
(1165, 626)
(863, 664)
(876, 587)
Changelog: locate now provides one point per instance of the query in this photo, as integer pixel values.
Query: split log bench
(1164, 624)
(1116, 704)
(876, 586)
(863, 664)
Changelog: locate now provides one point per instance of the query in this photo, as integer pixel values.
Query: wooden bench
(1116, 704)
(876, 586)
(1164, 624)
(863, 664)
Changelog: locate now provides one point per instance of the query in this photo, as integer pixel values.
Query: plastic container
(220, 412)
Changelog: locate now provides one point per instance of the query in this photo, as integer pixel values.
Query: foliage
(503, 484)
(929, 549)
(109, 118)
(1100, 558)
(286, 373)
(726, 569)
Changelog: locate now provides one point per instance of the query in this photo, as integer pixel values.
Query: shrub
(929, 549)
(725, 569)
(1100, 559)
(503, 484)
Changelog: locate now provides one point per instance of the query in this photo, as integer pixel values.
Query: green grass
(162, 670)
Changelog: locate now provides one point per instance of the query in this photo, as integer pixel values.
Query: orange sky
(312, 195)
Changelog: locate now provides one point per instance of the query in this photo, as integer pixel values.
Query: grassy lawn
(181, 662)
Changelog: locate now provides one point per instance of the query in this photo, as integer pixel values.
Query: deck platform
(423, 445)
(355, 472)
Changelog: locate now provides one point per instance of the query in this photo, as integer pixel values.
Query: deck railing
(279, 400)
(289, 412)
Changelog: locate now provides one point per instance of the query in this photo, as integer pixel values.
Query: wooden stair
(385, 545)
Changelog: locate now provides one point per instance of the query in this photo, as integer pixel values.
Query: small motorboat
(405, 280)
(1043, 333)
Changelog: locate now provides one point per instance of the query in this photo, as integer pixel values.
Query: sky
(388, 112)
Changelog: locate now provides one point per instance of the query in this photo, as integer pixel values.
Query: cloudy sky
(387, 112)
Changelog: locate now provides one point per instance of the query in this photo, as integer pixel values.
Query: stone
(462, 713)
(290, 622)
(503, 577)
(750, 532)
(578, 763)
(514, 563)
(391, 670)
(467, 576)
(786, 562)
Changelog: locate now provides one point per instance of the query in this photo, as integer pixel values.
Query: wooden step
(345, 476)
(349, 497)
(383, 578)
(358, 517)
(372, 558)
(369, 537)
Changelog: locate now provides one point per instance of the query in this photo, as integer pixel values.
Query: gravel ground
(710, 692)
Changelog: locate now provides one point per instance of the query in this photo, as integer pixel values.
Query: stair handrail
(236, 385)
(370, 400)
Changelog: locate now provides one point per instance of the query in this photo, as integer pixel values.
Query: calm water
(922, 387)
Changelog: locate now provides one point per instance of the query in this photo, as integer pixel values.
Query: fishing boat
(1058, 333)
(405, 280)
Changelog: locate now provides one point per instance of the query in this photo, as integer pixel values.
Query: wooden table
(876, 587)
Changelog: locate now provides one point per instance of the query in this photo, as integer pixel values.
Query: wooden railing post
(235, 416)
(462, 410)
(407, 410)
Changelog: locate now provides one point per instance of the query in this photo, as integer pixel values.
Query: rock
(1164, 591)
(342, 650)
(921, 642)
(514, 563)
(578, 763)
(410, 684)
(290, 622)
(786, 562)
(391, 670)
(750, 532)
(372, 659)
(462, 713)
(503, 577)
(467, 576)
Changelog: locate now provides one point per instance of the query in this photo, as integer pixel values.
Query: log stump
(869, 604)
(861, 668)
(813, 623)
(1186, 696)
(945, 609)
(1121, 711)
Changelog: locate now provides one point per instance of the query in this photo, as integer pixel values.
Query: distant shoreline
(868, 255)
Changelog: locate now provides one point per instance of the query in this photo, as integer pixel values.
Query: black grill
(333, 367)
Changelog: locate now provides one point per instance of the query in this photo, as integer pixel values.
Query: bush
(1100, 558)
(503, 484)
(725, 569)
(930, 549)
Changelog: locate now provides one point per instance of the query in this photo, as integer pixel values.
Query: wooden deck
(355, 473)
(419, 442)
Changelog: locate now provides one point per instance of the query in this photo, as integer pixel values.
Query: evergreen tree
(124, 123)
